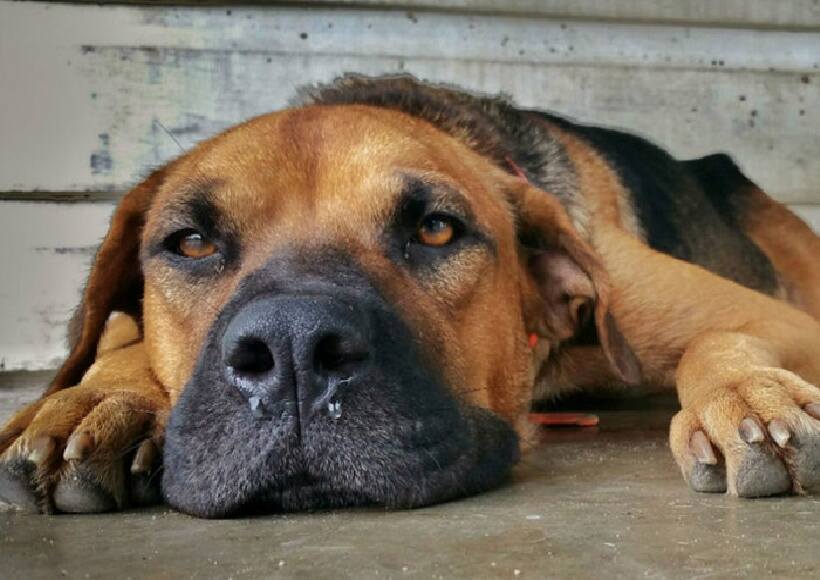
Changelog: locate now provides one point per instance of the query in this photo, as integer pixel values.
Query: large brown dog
(352, 301)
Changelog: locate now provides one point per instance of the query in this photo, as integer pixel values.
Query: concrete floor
(589, 503)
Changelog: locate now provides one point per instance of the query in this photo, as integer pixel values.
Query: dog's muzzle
(312, 391)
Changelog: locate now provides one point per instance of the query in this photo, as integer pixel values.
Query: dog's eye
(192, 244)
(437, 230)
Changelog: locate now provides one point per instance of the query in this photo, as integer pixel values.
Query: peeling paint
(100, 161)
(142, 63)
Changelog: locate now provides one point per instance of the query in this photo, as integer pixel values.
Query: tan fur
(327, 176)
(790, 244)
(721, 345)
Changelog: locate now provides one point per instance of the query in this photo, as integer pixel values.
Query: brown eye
(192, 244)
(436, 231)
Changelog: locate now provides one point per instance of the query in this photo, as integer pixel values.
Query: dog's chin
(222, 460)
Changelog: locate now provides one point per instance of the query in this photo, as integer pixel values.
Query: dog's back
(707, 212)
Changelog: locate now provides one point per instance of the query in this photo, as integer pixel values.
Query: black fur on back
(688, 209)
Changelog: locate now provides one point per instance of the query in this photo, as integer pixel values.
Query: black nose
(292, 355)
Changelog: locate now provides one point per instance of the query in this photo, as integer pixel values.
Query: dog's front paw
(83, 450)
(756, 438)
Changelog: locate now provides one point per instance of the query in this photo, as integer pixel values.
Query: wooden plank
(45, 251)
(102, 94)
(18, 389)
(748, 13)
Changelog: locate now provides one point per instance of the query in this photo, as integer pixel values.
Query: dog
(354, 301)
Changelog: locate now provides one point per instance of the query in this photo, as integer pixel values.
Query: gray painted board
(763, 13)
(45, 251)
(89, 104)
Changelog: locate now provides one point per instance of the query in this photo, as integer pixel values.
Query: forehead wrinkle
(195, 190)
(356, 177)
(186, 202)
(438, 190)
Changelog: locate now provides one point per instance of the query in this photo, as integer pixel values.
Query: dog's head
(338, 298)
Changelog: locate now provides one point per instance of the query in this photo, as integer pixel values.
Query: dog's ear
(572, 284)
(114, 282)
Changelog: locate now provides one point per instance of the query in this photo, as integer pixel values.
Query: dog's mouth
(320, 399)
(221, 460)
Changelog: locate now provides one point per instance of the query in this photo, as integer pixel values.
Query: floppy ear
(114, 283)
(572, 283)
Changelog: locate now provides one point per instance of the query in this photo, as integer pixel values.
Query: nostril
(337, 355)
(250, 357)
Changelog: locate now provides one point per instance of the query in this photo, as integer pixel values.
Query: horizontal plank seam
(61, 197)
(708, 68)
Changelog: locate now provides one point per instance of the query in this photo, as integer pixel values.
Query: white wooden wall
(92, 97)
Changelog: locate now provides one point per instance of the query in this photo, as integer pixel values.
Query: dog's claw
(145, 458)
(751, 431)
(79, 447)
(144, 477)
(702, 449)
(779, 432)
(41, 449)
(813, 409)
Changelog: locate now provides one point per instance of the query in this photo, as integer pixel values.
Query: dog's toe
(766, 432)
(79, 493)
(708, 478)
(145, 489)
(16, 485)
(761, 473)
(805, 461)
(72, 453)
(707, 473)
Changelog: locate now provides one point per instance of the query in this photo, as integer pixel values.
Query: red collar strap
(516, 169)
